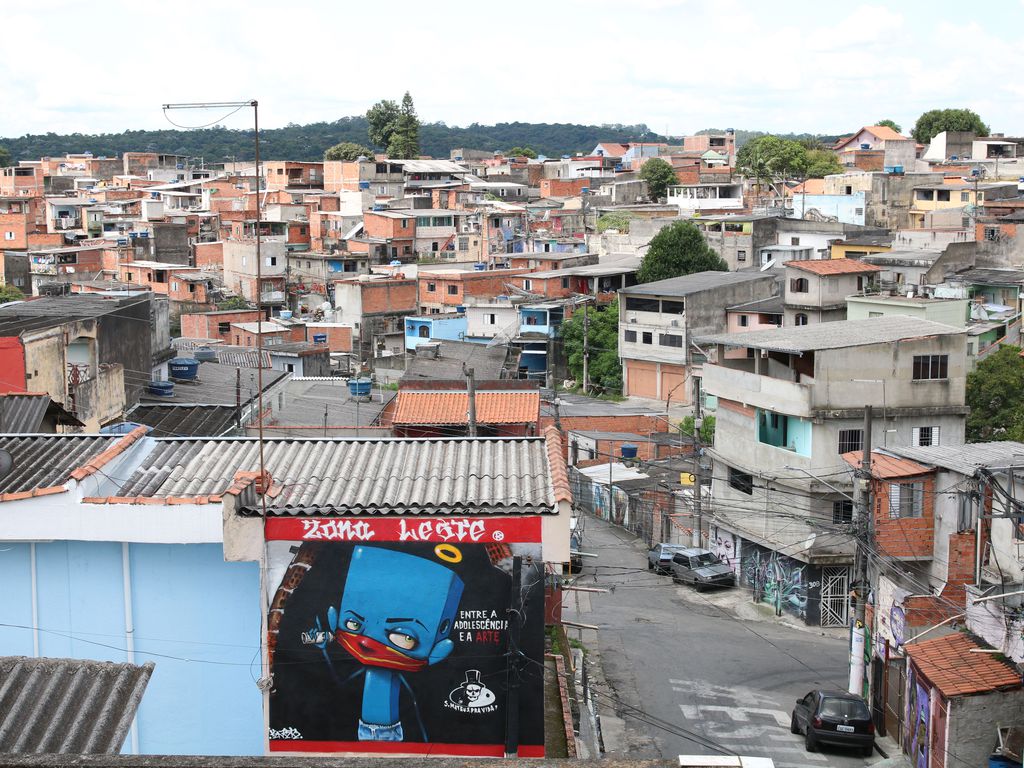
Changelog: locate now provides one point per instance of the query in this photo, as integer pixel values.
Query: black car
(700, 568)
(834, 717)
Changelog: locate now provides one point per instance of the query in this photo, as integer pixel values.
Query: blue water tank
(119, 429)
(480, 266)
(204, 355)
(585, 191)
(183, 368)
(359, 387)
(378, 207)
(628, 450)
(319, 338)
(897, 169)
(364, 185)
(161, 388)
(395, 263)
(286, 314)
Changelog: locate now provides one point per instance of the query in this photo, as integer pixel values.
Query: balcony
(765, 392)
(272, 297)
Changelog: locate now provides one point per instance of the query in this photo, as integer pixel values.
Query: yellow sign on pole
(686, 478)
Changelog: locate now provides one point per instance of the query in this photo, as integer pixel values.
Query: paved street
(685, 658)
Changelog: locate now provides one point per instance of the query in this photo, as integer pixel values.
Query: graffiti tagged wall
(391, 635)
(782, 582)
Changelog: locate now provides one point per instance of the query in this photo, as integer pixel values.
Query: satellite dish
(6, 463)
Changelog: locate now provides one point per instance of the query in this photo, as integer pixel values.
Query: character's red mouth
(376, 654)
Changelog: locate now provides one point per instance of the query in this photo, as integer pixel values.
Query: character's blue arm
(415, 707)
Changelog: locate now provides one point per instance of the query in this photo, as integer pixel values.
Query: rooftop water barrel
(204, 355)
(161, 388)
(359, 387)
(480, 266)
(183, 367)
(286, 314)
(628, 451)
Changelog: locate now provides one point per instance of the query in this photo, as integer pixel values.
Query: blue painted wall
(196, 617)
(441, 327)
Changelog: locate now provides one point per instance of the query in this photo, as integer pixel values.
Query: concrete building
(240, 271)
(816, 291)
(788, 407)
(659, 321)
(420, 329)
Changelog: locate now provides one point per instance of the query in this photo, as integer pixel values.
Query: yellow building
(861, 246)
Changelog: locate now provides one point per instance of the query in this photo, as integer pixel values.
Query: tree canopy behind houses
(678, 249)
(935, 121)
(659, 175)
(995, 394)
(603, 343)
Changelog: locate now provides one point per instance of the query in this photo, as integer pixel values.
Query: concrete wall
(972, 721)
(201, 698)
(846, 209)
(946, 311)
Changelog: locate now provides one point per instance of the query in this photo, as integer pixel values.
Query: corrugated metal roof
(24, 413)
(966, 459)
(370, 475)
(68, 706)
(511, 407)
(695, 283)
(949, 664)
(45, 461)
(185, 420)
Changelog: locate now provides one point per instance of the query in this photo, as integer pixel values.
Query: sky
(676, 65)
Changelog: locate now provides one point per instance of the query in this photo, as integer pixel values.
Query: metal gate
(835, 596)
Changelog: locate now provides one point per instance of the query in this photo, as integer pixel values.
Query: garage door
(641, 379)
(673, 384)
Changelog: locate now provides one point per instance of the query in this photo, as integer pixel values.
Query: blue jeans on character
(374, 732)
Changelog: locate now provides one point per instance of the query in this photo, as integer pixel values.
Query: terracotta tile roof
(885, 466)
(502, 407)
(833, 266)
(949, 665)
(882, 132)
(556, 460)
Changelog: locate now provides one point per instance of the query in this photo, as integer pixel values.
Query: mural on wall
(781, 582)
(918, 709)
(391, 635)
(726, 546)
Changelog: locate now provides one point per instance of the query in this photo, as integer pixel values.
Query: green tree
(348, 151)
(707, 428)
(5, 157)
(769, 159)
(659, 175)
(603, 343)
(235, 302)
(381, 119)
(935, 121)
(995, 394)
(405, 141)
(820, 163)
(890, 124)
(521, 152)
(10, 293)
(678, 249)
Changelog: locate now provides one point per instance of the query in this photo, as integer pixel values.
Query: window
(271, 261)
(637, 304)
(965, 197)
(798, 285)
(647, 337)
(991, 233)
(424, 331)
(565, 282)
(741, 255)
(463, 243)
(673, 307)
(174, 286)
(744, 321)
(931, 367)
(848, 190)
(453, 290)
(925, 436)
(794, 241)
(842, 512)
(741, 481)
(404, 224)
(630, 336)
(858, 211)
(851, 440)
(670, 340)
(970, 349)
(433, 247)
(431, 287)
(906, 500)
(876, 314)
(800, 319)
(223, 327)
(406, 250)
(490, 319)
(8, 235)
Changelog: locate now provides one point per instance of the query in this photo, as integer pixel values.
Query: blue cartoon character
(395, 615)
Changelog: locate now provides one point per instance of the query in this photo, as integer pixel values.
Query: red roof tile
(948, 664)
(884, 466)
(833, 266)
(556, 459)
(503, 407)
(882, 132)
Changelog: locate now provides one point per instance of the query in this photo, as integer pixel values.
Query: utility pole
(698, 469)
(471, 393)
(512, 664)
(863, 526)
(238, 398)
